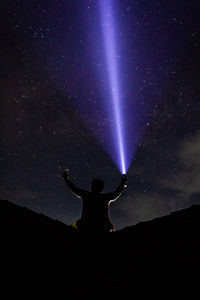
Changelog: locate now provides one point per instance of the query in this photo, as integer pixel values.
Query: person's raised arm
(74, 190)
(114, 195)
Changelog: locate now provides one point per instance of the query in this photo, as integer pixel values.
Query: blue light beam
(108, 31)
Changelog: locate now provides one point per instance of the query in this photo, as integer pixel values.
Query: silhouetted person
(95, 211)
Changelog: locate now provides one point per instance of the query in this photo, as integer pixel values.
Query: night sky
(53, 115)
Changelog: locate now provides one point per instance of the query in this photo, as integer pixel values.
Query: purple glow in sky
(108, 33)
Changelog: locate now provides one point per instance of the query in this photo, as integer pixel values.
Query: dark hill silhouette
(44, 258)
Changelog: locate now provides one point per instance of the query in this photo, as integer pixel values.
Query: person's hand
(66, 174)
(124, 180)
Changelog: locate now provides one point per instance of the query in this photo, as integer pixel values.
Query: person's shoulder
(106, 196)
(85, 194)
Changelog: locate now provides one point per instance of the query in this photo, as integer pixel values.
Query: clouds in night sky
(187, 179)
(176, 191)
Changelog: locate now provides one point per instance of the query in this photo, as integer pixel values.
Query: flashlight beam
(108, 30)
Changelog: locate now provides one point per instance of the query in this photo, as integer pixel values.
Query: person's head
(97, 185)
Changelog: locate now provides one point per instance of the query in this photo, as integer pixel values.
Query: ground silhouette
(44, 258)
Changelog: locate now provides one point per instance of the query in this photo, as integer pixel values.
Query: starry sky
(52, 114)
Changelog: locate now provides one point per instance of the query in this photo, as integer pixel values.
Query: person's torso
(95, 207)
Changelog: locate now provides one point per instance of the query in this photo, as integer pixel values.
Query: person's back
(95, 211)
(95, 215)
